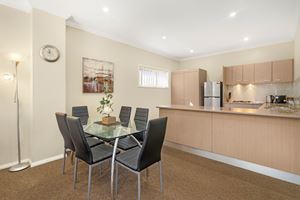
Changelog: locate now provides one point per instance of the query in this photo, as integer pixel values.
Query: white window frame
(154, 69)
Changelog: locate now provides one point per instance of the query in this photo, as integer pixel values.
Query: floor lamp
(21, 165)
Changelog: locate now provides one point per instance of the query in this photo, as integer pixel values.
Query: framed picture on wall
(96, 74)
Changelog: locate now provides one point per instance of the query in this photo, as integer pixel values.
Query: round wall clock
(49, 53)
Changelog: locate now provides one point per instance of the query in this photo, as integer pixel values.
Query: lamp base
(19, 167)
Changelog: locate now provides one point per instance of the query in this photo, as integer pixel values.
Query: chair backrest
(61, 119)
(151, 150)
(124, 115)
(82, 149)
(81, 112)
(141, 117)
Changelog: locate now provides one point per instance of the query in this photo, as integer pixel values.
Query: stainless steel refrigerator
(213, 94)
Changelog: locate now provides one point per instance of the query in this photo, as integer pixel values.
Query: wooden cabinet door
(238, 74)
(191, 88)
(228, 75)
(263, 72)
(177, 88)
(283, 71)
(248, 74)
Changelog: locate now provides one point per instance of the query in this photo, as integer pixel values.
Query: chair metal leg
(116, 179)
(89, 181)
(139, 186)
(64, 162)
(75, 172)
(161, 176)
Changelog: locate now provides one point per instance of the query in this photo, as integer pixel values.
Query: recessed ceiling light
(164, 37)
(246, 39)
(192, 51)
(232, 14)
(105, 9)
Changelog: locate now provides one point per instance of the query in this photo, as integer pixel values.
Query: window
(150, 77)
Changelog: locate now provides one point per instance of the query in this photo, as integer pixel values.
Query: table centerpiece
(105, 107)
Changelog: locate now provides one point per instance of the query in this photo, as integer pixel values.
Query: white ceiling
(201, 25)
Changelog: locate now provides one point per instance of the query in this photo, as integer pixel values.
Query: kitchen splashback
(259, 92)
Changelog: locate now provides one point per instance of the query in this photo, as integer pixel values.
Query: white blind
(149, 77)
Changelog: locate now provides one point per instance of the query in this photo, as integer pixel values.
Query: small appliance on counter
(278, 99)
(213, 94)
(270, 99)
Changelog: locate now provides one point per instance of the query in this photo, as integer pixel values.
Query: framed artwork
(96, 74)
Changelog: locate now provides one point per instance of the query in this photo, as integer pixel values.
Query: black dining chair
(92, 156)
(138, 159)
(68, 143)
(81, 112)
(140, 119)
(124, 115)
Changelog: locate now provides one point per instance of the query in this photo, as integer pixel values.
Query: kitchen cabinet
(265, 140)
(177, 88)
(248, 74)
(238, 74)
(263, 72)
(228, 76)
(187, 87)
(283, 71)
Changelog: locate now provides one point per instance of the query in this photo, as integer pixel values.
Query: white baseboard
(33, 164)
(7, 165)
(44, 161)
(275, 173)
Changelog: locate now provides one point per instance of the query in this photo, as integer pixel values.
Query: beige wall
(297, 53)
(14, 39)
(49, 86)
(126, 59)
(214, 64)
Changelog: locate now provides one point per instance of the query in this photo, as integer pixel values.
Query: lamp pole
(20, 166)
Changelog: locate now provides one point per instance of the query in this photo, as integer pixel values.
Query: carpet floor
(186, 177)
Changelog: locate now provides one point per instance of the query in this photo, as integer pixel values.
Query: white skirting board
(7, 165)
(34, 164)
(44, 161)
(275, 173)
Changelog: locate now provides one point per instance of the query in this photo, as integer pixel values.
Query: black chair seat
(130, 158)
(102, 152)
(126, 143)
(93, 141)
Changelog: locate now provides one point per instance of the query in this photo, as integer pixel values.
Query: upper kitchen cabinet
(263, 72)
(187, 87)
(248, 74)
(177, 88)
(283, 71)
(228, 76)
(238, 74)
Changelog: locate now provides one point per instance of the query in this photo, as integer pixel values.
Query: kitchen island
(260, 136)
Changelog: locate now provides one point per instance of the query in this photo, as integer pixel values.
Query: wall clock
(49, 53)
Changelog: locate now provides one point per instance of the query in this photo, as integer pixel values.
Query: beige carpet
(186, 177)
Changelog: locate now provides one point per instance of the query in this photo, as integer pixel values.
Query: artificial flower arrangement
(105, 107)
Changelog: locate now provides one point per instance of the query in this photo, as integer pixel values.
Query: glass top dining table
(113, 132)
(110, 132)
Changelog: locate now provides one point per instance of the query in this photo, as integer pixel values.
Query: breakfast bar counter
(262, 111)
(261, 136)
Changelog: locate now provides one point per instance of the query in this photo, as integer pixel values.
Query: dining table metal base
(113, 168)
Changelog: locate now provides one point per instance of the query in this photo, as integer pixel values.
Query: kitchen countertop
(242, 111)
